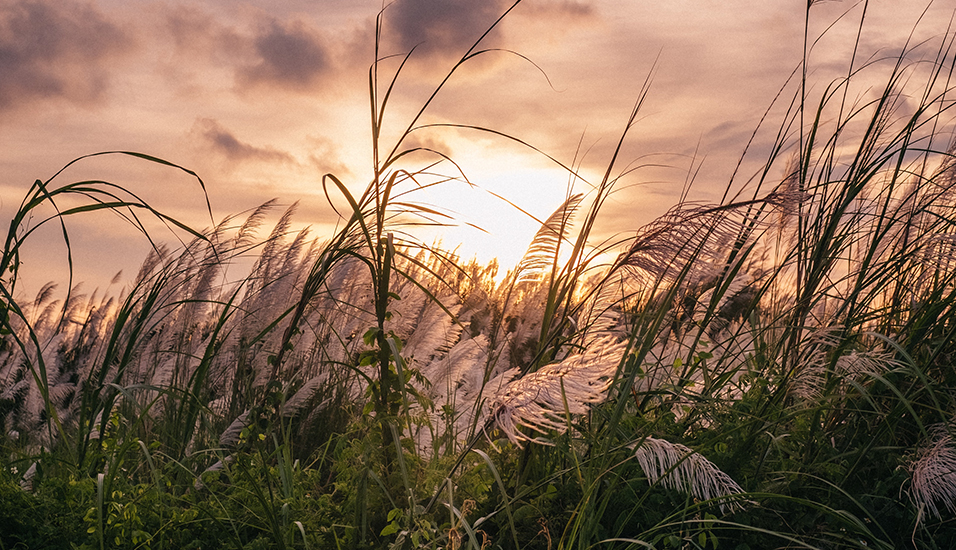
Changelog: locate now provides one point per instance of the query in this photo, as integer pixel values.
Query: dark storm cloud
(225, 143)
(287, 55)
(55, 50)
(440, 26)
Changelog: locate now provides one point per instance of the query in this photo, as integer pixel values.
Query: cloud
(325, 158)
(254, 51)
(440, 27)
(446, 28)
(55, 50)
(560, 9)
(197, 33)
(430, 141)
(228, 145)
(287, 55)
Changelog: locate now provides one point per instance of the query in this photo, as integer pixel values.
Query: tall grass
(770, 371)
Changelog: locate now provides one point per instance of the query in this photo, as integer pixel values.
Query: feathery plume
(537, 400)
(26, 482)
(246, 234)
(816, 362)
(682, 469)
(686, 235)
(295, 403)
(697, 237)
(600, 315)
(933, 475)
(230, 436)
(540, 256)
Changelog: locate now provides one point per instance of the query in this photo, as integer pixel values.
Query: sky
(262, 98)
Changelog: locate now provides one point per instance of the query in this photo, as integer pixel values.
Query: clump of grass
(787, 349)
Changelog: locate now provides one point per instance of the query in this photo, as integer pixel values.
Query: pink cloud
(286, 55)
(225, 143)
(56, 50)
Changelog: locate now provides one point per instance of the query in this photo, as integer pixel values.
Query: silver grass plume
(230, 436)
(26, 482)
(601, 313)
(247, 232)
(791, 200)
(686, 235)
(297, 401)
(933, 475)
(541, 254)
(698, 237)
(407, 312)
(265, 266)
(865, 363)
(727, 291)
(434, 335)
(537, 400)
(682, 469)
(816, 362)
(456, 382)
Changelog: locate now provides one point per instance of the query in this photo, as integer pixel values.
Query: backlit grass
(774, 371)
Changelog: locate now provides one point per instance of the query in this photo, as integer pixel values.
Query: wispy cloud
(325, 157)
(255, 51)
(440, 27)
(560, 9)
(198, 33)
(56, 49)
(223, 142)
(286, 55)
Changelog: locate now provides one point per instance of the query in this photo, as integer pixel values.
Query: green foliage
(49, 516)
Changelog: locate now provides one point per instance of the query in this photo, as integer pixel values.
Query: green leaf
(370, 336)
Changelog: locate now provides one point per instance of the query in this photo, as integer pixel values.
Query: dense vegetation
(775, 371)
